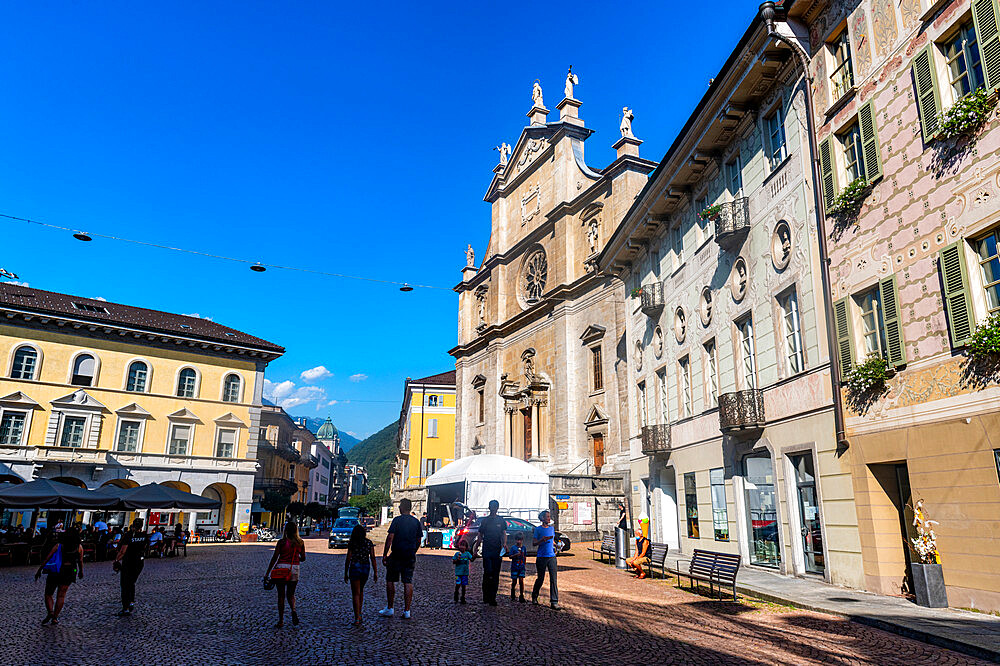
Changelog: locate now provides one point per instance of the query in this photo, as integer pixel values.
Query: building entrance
(809, 523)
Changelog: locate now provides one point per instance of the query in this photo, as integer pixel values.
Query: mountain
(377, 454)
(347, 442)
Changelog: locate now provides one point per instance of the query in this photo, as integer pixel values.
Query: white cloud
(332, 403)
(358, 377)
(352, 434)
(286, 395)
(99, 298)
(198, 316)
(19, 283)
(315, 374)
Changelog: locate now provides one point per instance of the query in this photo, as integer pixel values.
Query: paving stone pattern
(210, 608)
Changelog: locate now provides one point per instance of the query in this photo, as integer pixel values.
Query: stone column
(536, 425)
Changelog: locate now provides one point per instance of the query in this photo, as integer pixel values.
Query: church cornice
(551, 132)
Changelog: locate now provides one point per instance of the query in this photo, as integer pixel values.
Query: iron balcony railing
(741, 412)
(655, 439)
(277, 485)
(732, 222)
(651, 298)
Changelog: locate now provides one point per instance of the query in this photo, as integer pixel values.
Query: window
(432, 427)
(842, 75)
(678, 241)
(597, 371)
(84, 370)
(775, 126)
(128, 436)
(748, 362)
(691, 504)
(430, 465)
(137, 374)
(187, 382)
(432, 401)
(989, 264)
(180, 440)
(793, 335)
(481, 395)
(734, 176)
(880, 324)
(712, 372)
(654, 262)
(87, 307)
(700, 205)
(854, 156)
(231, 389)
(225, 444)
(73, 428)
(720, 513)
(996, 454)
(12, 427)
(965, 66)
(661, 380)
(872, 322)
(25, 363)
(686, 400)
(641, 394)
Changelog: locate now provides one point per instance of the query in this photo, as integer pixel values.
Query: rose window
(536, 270)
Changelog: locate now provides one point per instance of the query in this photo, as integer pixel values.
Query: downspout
(420, 454)
(767, 13)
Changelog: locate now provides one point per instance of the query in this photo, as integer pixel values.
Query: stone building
(914, 273)
(538, 364)
(732, 416)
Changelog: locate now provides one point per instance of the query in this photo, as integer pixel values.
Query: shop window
(691, 505)
(720, 512)
(762, 510)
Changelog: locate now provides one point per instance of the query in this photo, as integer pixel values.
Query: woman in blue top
(545, 559)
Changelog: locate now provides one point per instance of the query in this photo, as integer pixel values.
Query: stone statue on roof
(571, 80)
(626, 126)
(536, 95)
(504, 149)
(470, 256)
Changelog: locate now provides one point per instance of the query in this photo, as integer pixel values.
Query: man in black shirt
(493, 537)
(129, 562)
(400, 556)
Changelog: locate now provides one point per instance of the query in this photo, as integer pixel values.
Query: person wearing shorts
(518, 554)
(400, 556)
(461, 561)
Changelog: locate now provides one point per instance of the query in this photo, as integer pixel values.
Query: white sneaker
(406, 615)
(386, 612)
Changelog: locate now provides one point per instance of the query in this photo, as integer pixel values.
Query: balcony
(651, 298)
(280, 486)
(655, 439)
(742, 413)
(288, 452)
(732, 222)
(309, 461)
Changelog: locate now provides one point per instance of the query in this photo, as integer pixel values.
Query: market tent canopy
(522, 489)
(45, 493)
(157, 496)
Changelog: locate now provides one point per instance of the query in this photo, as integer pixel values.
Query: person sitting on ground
(461, 561)
(641, 557)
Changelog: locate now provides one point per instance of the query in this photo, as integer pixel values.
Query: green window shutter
(984, 16)
(869, 142)
(893, 322)
(829, 177)
(957, 300)
(928, 100)
(845, 334)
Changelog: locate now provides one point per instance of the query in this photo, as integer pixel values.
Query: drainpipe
(767, 14)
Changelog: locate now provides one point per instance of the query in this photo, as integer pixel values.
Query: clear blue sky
(352, 138)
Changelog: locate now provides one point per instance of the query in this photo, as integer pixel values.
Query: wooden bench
(607, 548)
(658, 557)
(711, 567)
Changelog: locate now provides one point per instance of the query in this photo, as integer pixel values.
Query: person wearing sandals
(360, 561)
(284, 569)
(71, 553)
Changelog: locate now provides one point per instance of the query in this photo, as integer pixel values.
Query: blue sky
(349, 138)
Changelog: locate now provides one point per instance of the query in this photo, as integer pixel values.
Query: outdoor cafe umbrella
(157, 496)
(48, 494)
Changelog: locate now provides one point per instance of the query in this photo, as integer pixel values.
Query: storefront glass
(762, 511)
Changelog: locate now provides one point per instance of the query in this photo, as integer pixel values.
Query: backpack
(54, 565)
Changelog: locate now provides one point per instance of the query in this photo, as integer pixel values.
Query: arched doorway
(223, 517)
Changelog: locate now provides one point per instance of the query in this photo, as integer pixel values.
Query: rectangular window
(775, 124)
(842, 76)
(700, 205)
(854, 156)
(712, 372)
(72, 431)
(720, 514)
(678, 238)
(734, 176)
(481, 397)
(654, 263)
(748, 360)
(965, 66)
(12, 428)
(793, 335)
(996, 454)
(661, 381)
(432, 401)
(128, 436)
(180, 440)
(225, 445)
(691, 505)
(872, 322)
(597, 371)
(432, 427)
(684, 367)
(989, 264)
(430, 466)
(641, 397)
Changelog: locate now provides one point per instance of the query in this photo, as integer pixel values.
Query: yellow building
(96, 393)
(426, 438)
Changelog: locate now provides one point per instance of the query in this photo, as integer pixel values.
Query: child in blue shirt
(518, 553)
(461, 560)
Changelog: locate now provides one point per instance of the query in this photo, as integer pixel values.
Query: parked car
(340, 533)
(515, 526)
(368, 522)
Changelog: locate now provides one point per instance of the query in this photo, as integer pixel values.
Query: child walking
(360, 561)
(517, 554)
(461, 560)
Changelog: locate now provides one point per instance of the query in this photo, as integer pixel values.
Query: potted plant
(636, 292)
(928, 579)
(966, 116)
(710, 212)
(847, 204)
(984, 346)
(869, 377)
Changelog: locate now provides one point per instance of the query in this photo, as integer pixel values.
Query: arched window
(138, 372)
(187, 382)
(25, 363)
(231, 388)
(84, 370)
(432, 401)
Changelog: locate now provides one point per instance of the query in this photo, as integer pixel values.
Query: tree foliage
(372, 503)
(274, 502)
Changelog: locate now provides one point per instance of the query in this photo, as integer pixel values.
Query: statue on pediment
(470, 256)
(536, 95)
(626, 126)
(504, 150)
(571, 80)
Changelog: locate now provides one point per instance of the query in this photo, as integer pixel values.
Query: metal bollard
(621, 548)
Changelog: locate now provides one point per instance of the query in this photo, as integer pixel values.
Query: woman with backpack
(284, 569)
(63, 565)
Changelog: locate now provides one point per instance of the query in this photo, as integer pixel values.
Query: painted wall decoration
(883, 26)
(909, 11)
(861, 44)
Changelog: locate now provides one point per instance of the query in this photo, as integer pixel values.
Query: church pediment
(597, 416)
(593, 333)
(532, 145)
(18, 399)
(79, 399)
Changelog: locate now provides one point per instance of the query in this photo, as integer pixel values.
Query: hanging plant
(710, 212)
(847, 204)
(984, 346)
(869, 378)
(637, 292)
(967, 115)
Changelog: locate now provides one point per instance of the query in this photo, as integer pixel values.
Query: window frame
(775, 157)
(432, 400)
(980, 288)
(640, 392)
(147, 379)
(851, 132)
(795, 358)
(239, 388)
(596, 368)
(691, 516)
(25, 426)
(734, 167)
(84, 434)
(711, 351)
(966, 51)
(481, 396)
(196, 388)
(72, 369)
(663, 390)
(432, 429)
(748, 381)
(840, 45)
(713, 484)
(189, 443)
(36, 370)
(218, 441)
(139, 435)
(686, 388)
(878, 315)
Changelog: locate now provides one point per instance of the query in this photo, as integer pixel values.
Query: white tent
(521, 489)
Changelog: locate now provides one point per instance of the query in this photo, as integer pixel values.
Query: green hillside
(377, 454)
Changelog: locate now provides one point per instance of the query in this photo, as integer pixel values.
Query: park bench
(711, 567)
(606, 549)
(658, 557)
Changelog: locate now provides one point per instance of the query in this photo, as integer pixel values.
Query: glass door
(762, 510)
(812, 532)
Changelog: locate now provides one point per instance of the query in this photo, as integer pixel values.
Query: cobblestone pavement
(209, 608)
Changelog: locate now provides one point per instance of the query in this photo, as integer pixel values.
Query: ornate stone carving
(781, 245)
(592, 234)
(658, 342)
(534, 276)
(705, 307)
(738, 281)
(536, 95)
(470, 256)
(626, 125)
(531, 150)
(531, 205)
(504, 149)
(680, 325)
(571, 80)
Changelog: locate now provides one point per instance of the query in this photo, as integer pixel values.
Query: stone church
(541, 367)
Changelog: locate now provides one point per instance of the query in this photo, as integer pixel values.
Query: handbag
(54, 565)
(281, 572)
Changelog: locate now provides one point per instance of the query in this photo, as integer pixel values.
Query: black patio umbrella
(48, 494)
(157, 496)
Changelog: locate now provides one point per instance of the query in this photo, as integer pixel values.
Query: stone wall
(600, 494)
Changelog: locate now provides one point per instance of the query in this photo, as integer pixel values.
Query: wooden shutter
(869, 142)
(985, 17)
(827, 172)
(893, 322)
(928, 101)
(957, 300)
(845, 334)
